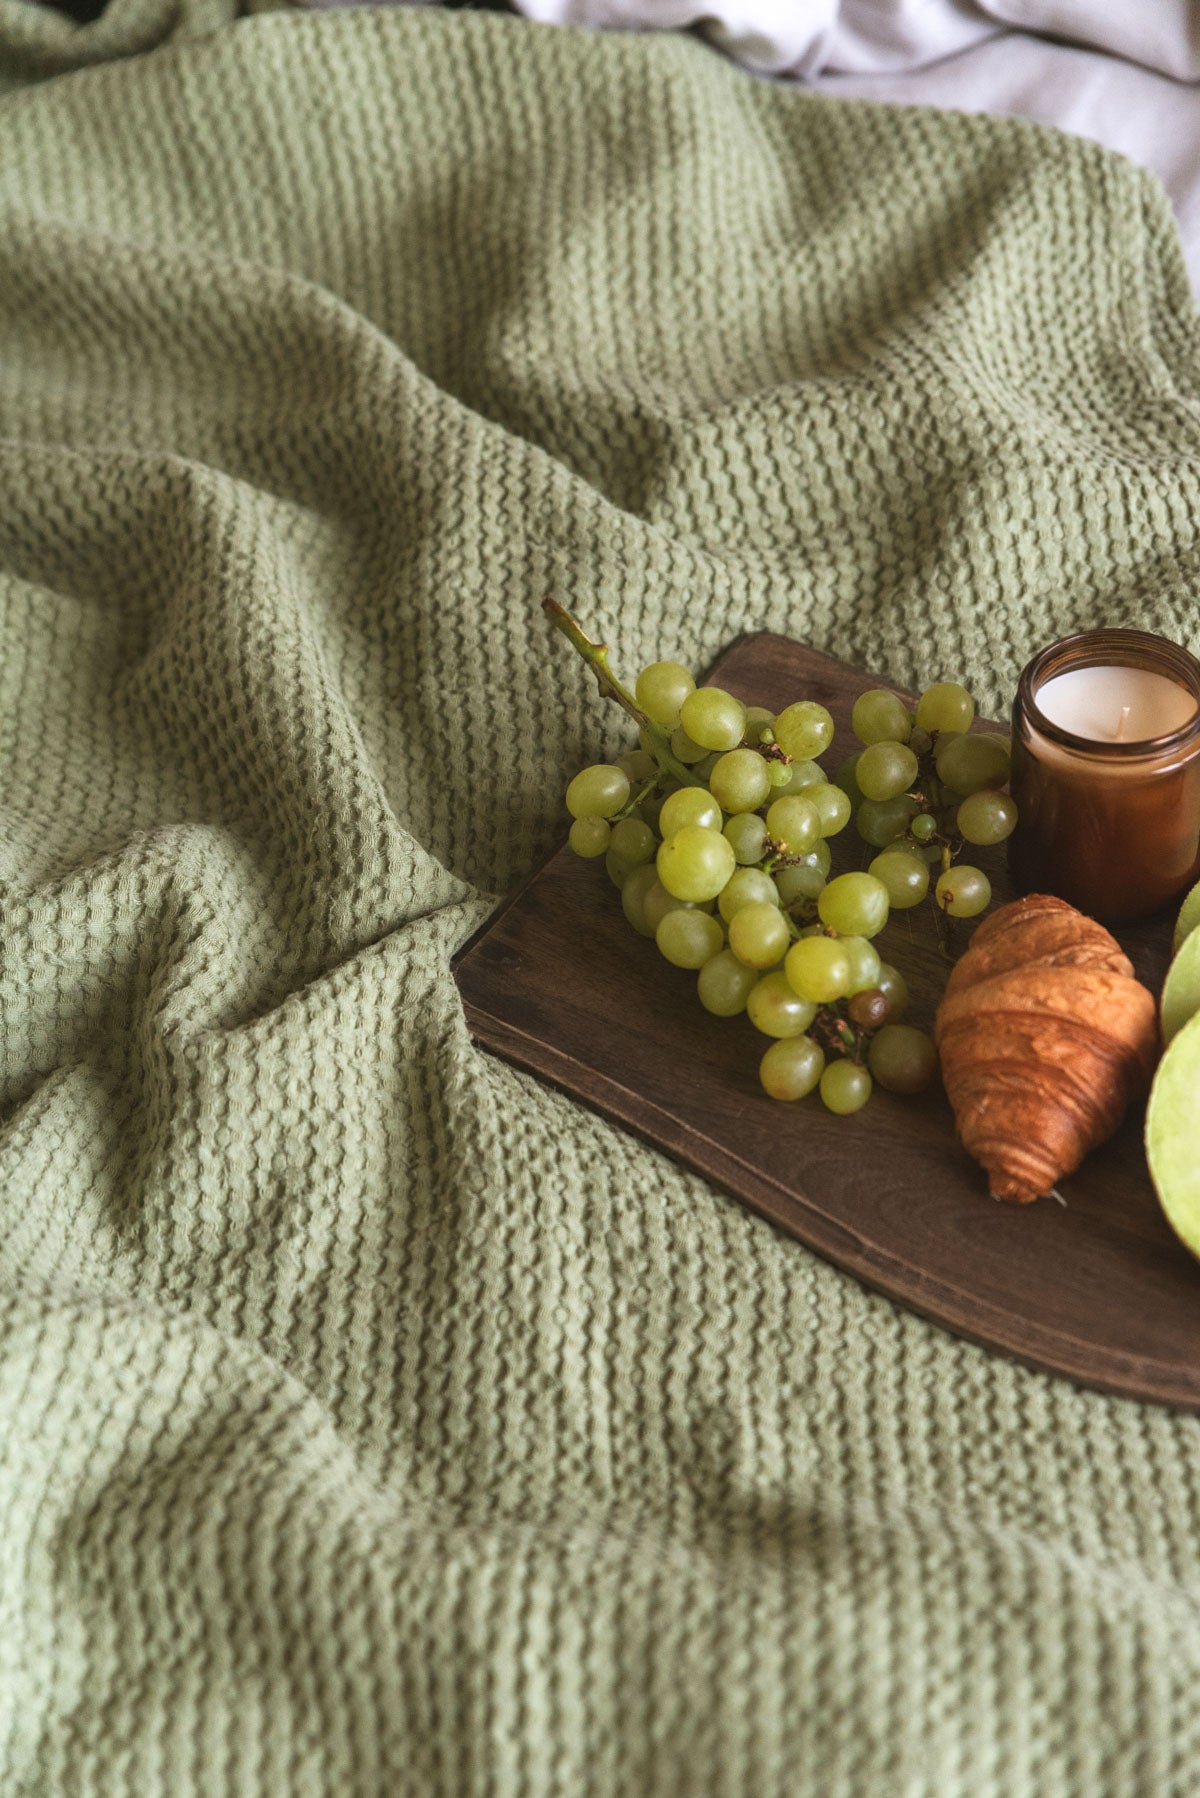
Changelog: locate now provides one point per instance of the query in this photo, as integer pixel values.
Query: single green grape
(661, 690)
(617, 870)
(684, 750)
(905, 876)
(590, 836)
(880, 716)
(713, 718)
(880, 821)
(833, 805)
(748, 886)
(864, 964)
(803, 879)
(689, 805)
(945, 706)
(688, 939)
(633, 897)
(791, 1069)
(969, 764)
(704, 768)
(847, 778)
(804, 730)
(794, 823)
(695, 863)
(894, 988)
(748, 834)
(818, 969)
(799, 777)
(885, 770)
(902, 1059)
(986, 817)
(725, 984)
(845, 1087)
(740, 781)
(854, 905)
(779, 774)
(637, 767)
(923, 827)
(598, 791)
(633, 841)
(759, 934)
(963, 892)
(658, 902)
(776, 1010)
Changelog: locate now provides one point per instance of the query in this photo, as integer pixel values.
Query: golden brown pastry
(1044, 1036)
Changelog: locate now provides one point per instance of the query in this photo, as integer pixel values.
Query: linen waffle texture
(375, 1419)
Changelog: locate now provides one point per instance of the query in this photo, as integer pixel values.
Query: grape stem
(635, 799)
(774, 856)
(836, 1035)
(596, 657)
(944, 928)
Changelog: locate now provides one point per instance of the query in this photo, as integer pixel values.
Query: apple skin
(1188, 919)
(1181, 988)
(1173, 1134)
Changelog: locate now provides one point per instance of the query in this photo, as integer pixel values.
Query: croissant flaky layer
(1044, 1037)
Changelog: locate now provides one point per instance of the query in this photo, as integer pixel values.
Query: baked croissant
(1044, 1037)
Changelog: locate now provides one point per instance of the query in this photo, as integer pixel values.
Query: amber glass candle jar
(1106, 773)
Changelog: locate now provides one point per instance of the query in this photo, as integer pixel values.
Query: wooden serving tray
(1098, 1289)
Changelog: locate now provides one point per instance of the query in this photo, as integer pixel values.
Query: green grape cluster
(923, 787)
(716, 831)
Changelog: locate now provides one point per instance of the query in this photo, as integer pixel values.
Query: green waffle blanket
(373, 1419)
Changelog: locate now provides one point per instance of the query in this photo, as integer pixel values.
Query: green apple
(1181, 989)
(1173, 1134)
(1189, 917)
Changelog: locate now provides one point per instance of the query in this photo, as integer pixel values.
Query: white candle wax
(1108, 703)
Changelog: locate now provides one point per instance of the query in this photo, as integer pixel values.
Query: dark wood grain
(1098, 1290)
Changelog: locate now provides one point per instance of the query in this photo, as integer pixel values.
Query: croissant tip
(1028, 1198)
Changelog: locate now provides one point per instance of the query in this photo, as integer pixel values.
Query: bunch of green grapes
(922, 788)
(716, 832)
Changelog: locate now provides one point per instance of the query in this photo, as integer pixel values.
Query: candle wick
(1122, 722)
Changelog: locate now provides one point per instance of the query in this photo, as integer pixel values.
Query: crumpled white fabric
(808, 38)
(1158, 34)
(1117, 71)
